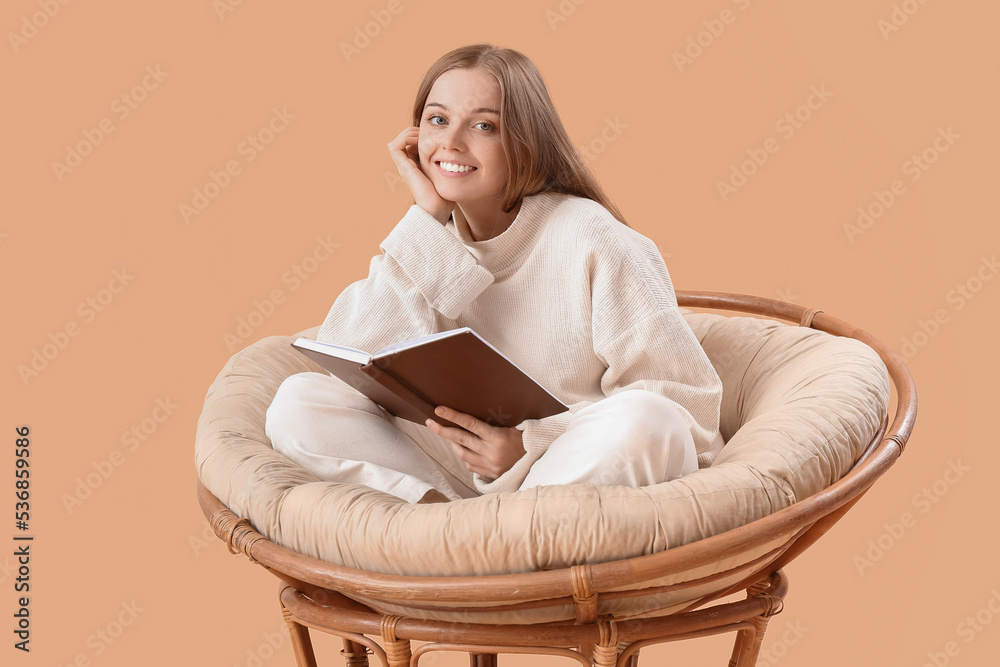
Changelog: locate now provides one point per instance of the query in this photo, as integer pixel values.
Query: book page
(340, 352)
(413, 342)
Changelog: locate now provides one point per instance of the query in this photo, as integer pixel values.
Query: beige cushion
(799, 408)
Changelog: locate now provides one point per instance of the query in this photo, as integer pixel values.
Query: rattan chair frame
(318, 595)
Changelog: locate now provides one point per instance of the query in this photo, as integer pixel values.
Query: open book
(455, 368)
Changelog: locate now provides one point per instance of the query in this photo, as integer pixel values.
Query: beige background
(128, 545)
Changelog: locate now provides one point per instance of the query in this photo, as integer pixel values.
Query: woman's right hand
(403, 150)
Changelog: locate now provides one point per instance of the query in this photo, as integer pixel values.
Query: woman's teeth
(448, 166)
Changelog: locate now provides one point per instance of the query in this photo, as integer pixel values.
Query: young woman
(511, 235)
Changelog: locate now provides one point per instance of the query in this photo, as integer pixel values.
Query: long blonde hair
(540, 155)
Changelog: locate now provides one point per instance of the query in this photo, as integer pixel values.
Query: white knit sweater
(581, 302)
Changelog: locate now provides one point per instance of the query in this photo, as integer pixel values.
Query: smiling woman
(540, 156)
(511, 235)
(459, 148)
(462, 140)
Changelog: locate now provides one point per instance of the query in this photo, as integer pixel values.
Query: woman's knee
(304, 399)
(633, 438)
(296, 387)
(649, 439)
(643, 417)
(287, 402)
(319, 390)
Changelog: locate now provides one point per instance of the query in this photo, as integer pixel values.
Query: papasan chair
(590, 573)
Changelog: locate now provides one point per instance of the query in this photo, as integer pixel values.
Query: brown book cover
(456, 368)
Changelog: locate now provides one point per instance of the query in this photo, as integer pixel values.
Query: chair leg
(301, 643)
(482, 660)
(747, 646)
(397, 651)
(355, 655)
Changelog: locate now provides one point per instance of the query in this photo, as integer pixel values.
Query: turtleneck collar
(504, 249)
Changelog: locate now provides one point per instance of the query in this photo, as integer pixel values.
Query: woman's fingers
(465, 444)
(486, 450)
(404, 152)
(468, 437)
(468, 422)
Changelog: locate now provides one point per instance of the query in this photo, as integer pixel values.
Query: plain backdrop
(181, 179)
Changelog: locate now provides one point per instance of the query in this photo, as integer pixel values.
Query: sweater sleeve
(645, 342)
(661, 354)
(424, 276)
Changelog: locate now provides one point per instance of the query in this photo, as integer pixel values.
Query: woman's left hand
(486, 450)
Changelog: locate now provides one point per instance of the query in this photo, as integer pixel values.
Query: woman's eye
(433, 120)
(483, 125)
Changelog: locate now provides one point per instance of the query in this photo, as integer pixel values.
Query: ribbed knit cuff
(437, 262)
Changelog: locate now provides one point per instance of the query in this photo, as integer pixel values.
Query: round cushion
(799, 409)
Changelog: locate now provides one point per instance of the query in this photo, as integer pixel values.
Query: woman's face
(460, 147)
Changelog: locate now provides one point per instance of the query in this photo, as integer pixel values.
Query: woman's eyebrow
(477, 110)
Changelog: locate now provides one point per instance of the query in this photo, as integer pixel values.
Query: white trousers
(633, 438)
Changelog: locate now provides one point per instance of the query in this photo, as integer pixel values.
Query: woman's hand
(486, 450)
(403, 150)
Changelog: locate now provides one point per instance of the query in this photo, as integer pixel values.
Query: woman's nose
(453, 138)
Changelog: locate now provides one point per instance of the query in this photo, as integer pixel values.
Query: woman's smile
(451, 169)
